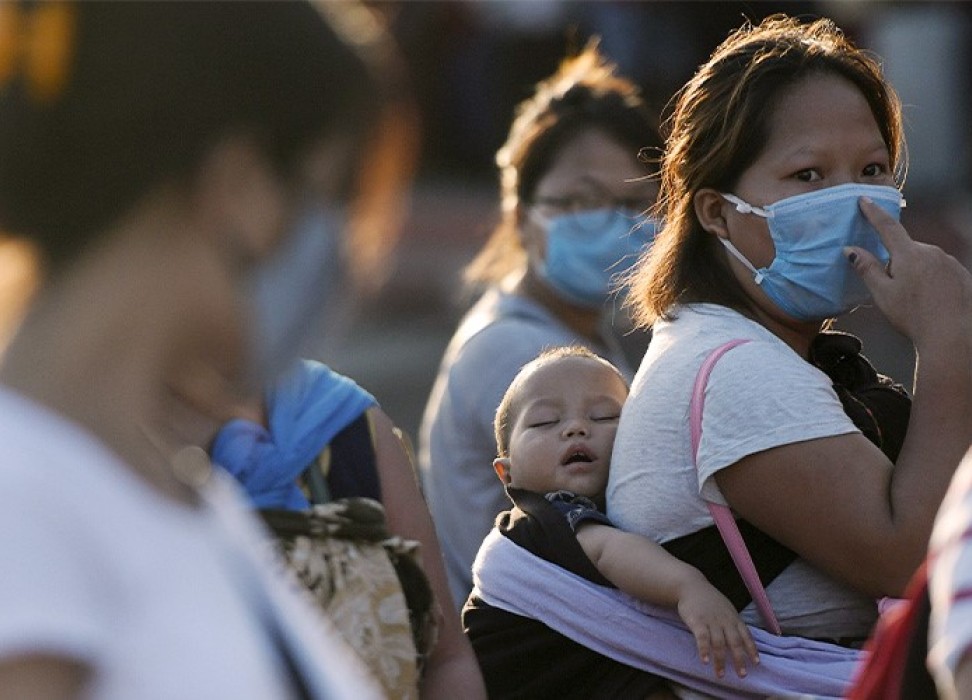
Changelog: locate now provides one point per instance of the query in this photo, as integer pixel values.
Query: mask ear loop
(757, 275)
(745, 207)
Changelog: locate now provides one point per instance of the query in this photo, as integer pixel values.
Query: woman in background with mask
(165, 160)
(780, 189)
(573, 198)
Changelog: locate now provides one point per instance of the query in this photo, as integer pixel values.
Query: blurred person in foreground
(169, 163)
(574, 195)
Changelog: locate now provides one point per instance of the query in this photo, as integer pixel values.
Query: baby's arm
(643, 569)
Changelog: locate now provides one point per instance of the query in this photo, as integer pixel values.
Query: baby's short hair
(501, 424)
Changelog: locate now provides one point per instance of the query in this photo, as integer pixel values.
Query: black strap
(706, 551)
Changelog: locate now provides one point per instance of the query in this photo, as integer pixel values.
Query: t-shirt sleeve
(578, 510)
(48, 582)
(759, 396)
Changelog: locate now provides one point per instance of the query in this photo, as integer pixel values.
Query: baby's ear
(502, 467)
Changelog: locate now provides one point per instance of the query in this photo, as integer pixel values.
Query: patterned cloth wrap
(369, 584)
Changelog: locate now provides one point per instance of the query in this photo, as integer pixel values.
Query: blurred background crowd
(471, 61)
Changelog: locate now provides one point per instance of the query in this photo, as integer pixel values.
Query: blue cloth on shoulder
(305, 410)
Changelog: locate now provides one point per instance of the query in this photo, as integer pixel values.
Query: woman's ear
(711, 210)
(502, 467)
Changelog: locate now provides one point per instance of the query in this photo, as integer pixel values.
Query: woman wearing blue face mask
(781, 176)
(574, 198)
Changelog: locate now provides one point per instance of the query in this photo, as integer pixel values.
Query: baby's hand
(716, 626)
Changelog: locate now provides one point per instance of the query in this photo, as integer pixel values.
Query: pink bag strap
(720, 513)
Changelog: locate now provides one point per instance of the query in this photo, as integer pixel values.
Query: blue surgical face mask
(291, 291)
(584, 256)
(810, 279)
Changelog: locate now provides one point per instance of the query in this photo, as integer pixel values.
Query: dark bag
(879, 407)
(370, 584)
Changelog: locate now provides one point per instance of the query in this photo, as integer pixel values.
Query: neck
(582, 320)
(797, 334)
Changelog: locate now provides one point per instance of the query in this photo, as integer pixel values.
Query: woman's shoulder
(713, 321)
(760, 365)
(505, 331)
(498, 311)
(699, 329)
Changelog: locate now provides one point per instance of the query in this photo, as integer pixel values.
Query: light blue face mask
(810, 279)
(582, 260)
(291, 291)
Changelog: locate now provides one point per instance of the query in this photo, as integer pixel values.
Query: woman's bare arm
(452, 670)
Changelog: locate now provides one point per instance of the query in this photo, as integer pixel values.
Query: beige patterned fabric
(366, 583)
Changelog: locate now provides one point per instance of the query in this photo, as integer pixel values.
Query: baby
(555, 432)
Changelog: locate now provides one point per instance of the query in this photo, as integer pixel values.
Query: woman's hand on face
(925, 293)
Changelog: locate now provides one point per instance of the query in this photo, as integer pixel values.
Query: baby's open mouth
(578, 456)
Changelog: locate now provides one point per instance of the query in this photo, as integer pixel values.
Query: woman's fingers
(874, 272)
(892, 233)
(916, 285)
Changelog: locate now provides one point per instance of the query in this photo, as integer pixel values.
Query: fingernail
(868, 200)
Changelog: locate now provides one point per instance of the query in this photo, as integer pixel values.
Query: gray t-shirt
(500, 334)
(760, 395)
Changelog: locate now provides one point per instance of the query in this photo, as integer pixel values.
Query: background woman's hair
(102, 101)
(585, 92)
(717, 129)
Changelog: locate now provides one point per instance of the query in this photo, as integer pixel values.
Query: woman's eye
(874, 170)
(808, 175)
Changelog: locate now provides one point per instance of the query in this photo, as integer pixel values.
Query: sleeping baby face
(562, 422)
